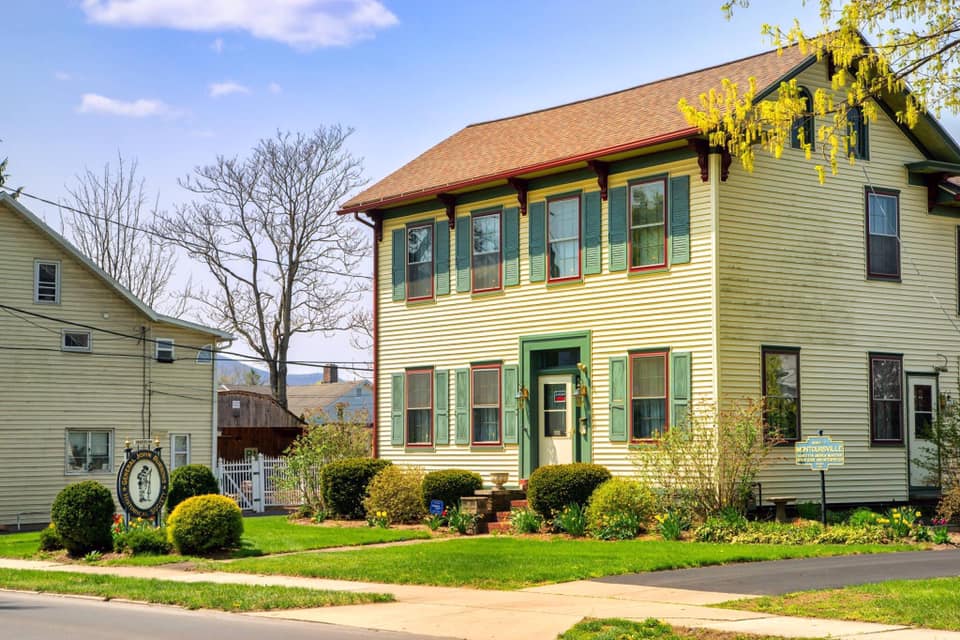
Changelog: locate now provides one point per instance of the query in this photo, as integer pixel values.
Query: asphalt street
(785, 576)
(27, 616)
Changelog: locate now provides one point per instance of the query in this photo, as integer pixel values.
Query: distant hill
(228, 367)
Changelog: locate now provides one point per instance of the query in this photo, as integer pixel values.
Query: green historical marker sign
(819, 453)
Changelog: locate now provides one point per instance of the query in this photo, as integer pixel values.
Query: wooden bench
(781, 504)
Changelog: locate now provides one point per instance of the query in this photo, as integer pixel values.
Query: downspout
(377, 226)
(713, 160)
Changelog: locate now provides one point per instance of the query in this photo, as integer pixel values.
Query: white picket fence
(255, 483)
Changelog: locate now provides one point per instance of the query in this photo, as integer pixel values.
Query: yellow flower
(917, 514)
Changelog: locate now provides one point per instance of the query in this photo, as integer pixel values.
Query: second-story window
(164, 350)
(648, 224)
(883, 234)
(46, 281)
(563, 237)
(485, 256)
(420, 262)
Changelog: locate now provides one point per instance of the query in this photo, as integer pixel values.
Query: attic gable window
(563, 236)
(857, 130)
(420, 261)
(648, 224)
(803, 124)
(46, 281)
(164, 350)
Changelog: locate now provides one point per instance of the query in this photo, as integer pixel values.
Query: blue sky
(176, 82)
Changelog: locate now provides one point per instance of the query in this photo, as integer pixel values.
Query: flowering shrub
(572, 520)
(619, 506)
(900, 522)
(398, 490)
(940, 533)
(862, 517)
(139, 536)
(525, 521)
(621, 525)
(672, 524)
(379, 519)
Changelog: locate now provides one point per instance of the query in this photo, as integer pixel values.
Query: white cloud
(304, 24)
(217, 45)
(62, 76)
(218, 89)
(273, 87)
(142, 108)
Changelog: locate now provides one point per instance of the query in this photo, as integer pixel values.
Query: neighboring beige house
(85, 367)
(560, 285)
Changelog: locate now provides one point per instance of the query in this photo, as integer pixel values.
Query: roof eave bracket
(450, 203)
(703, 150)
(602, 169)
(520, 186)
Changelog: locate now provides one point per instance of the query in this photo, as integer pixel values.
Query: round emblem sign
(142, 484)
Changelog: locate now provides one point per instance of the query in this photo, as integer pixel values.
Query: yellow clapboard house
(84, 368)
(560, 285)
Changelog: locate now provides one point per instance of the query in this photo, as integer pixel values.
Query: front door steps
(493, 507)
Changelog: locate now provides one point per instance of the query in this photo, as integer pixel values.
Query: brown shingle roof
(625, 120)
(302, 398)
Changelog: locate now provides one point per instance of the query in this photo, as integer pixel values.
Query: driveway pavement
(777, 577)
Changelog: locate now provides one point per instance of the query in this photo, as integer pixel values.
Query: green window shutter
(441, 407)
(463, 254)
(617, 228)
(679, 219)
(590, 210)
(463, 407)
(680, 383)
(396, 410)
(618, 399)
(510, 375)
(441, 253)
(399, 264)
(511, 246)
(537, 219)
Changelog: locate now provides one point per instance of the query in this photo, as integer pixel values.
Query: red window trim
(406, 409)
(873, 439)
(579, 274)
(499, 440)
(763, 384)
(473, 289)
(666, 223)
(892, 193)
(406, 259)
(666, 389)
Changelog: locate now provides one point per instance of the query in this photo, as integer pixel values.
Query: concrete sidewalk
(534, 613)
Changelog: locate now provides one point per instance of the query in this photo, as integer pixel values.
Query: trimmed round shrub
(555, 486)
(82, 514)
(344, 485)
(50, 539)
(449, 485)
(626, 501)
(205, 524)
(398, 491)
(188, 481)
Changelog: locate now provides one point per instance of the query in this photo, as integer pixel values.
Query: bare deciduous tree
(107, 216)
(267, 228)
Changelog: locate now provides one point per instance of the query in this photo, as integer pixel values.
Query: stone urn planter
(499, 478)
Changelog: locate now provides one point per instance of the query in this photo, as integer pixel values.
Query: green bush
(721, 527)
(50, 539)
(82, 514)
(572, 519)
(205, 524)
(553, 487)
(188, 481)
(847, 534)
(449, 485)
(398, 491)
(344, 485)
(779, 533)
(143, 540)
(862, 517)
(627, 504)
(808, 510)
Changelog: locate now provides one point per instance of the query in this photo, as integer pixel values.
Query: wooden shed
(251, 423)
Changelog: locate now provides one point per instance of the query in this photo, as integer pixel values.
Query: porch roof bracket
(450, 202)
(602, 169)
(702, 149)
(377, 216)
(520, 186)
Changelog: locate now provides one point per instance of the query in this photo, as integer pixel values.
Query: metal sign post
(820, 453)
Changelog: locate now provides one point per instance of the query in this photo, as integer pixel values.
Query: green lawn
(513, 563)
(619, 629)
(192, 595)
(19, 545)
(933, 603)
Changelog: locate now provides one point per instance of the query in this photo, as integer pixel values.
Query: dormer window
(164, 350)
(46, 282)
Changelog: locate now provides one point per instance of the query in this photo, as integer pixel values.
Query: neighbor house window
(164, 350)
(46, 282)
(420, 261)
(88, 451)
(648, 224)
(648, 395)
(205, 354)
(803, 126)
(883, 234)
(485, 399)
(179, 450)
(419, 407)
(485, 258)
(781, 393)
(857, 131)
(75, 340)
(886, 398)
(563, 236)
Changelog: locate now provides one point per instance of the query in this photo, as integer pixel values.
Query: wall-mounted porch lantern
(523, 394)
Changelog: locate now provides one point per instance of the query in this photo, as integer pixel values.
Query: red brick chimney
(330, 373)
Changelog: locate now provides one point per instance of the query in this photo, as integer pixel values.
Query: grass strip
(275, 534)
(190, 595)
(933, 603)
(620, 629)
(514, 563)
(19, 545)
